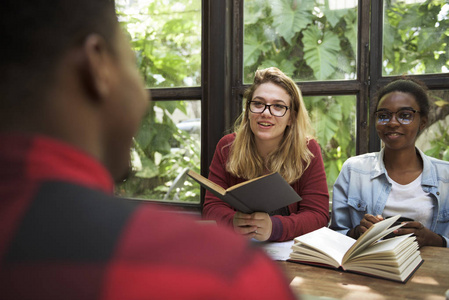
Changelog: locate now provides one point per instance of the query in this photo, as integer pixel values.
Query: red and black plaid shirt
(64, 236)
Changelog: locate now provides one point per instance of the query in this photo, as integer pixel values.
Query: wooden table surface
(429, 282)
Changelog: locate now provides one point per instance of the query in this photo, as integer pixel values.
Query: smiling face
(268, 130)
(395, 135)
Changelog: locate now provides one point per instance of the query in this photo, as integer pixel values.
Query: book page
(328, 241)
(374, 233)
(210, 185)
(401, 275)
(278, 250)
(246, 182)
(388, 245)
(304, 253)
(382, 252)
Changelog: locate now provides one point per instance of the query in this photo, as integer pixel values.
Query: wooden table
(429, 282)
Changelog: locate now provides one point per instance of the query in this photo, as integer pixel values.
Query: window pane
(167, 144)
(166, 36)
(307, 40)
(334, 121)
(434, 140)
(416, 37)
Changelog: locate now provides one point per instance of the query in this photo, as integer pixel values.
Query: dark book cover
(263, 194)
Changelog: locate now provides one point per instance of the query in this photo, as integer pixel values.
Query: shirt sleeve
(214, 208)
(341, 219)
(184, 259)
(312, 212)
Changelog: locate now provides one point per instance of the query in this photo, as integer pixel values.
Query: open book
(395, 258)
(262, 194)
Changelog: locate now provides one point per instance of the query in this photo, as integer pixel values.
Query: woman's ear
(423, 123)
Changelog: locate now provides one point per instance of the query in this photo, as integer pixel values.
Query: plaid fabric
(64, 236)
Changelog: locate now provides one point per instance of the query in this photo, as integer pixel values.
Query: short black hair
(409, 85)
(37, 33)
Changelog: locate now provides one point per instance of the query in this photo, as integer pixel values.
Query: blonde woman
(273, 135)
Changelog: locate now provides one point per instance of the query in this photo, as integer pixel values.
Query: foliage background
(166, 37)
(308, 40)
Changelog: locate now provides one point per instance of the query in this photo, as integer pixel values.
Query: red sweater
(64, 236)
(311, 213)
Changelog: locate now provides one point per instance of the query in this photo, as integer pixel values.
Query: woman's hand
(367, 221)
(256, 225)
(424, 236)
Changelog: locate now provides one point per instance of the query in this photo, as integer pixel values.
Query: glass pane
(166, 36)
(167, 144)
(334, 121)
(307, 40)
(416, 37)
(434, 140)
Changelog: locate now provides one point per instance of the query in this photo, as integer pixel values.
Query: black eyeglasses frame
(391, 113)
(269, 109)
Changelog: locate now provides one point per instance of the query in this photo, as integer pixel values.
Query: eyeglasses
(404, 116)
(277, 110)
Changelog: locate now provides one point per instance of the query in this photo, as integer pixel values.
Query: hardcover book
(263, 194)
(395, 258)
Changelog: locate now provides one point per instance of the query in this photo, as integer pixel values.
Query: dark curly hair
(408, 85)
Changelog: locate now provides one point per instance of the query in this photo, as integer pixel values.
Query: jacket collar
(429, 176)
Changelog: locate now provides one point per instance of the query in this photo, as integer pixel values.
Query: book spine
(236, 203)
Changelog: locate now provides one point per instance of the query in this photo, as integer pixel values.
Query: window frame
(222, 88)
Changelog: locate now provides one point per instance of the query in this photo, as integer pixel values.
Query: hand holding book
(368, 221)
(423, 235)
(256, 225)
(262, 194)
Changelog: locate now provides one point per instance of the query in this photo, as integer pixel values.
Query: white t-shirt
(409, 201)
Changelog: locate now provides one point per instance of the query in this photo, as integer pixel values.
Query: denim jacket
(362, 188)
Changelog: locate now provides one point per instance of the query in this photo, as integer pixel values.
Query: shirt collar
(428, 174)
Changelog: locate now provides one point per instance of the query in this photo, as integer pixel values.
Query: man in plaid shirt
(71, 100)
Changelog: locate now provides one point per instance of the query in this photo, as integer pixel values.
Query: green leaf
(169, 106)
(351, 29)
(320, 52)
(254, 10)
(347, 104)
(441, 103)
(333, 16)
(434, 151)
(287, 66)
(291, 16)
(253, 49)
(149, 169)
(446, 154)
(334, 111)
(326, 129)
(332, 170)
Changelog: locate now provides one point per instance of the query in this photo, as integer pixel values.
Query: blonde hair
(292, 157)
